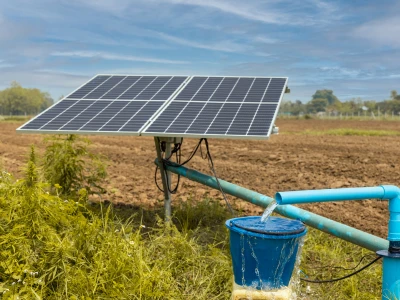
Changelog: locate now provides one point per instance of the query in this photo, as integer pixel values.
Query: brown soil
(285, 162)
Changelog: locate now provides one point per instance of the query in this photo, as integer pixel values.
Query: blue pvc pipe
(337, 229)
(390, 278)
(311, 196)
(392, 193)
(391, 261)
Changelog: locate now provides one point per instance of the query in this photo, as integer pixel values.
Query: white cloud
(3, 66)
(382, 32)
(280, 12)
(225, 46)
(265, 40)
(110, 56)
(340, 72)
(242, 9)
(11, 30)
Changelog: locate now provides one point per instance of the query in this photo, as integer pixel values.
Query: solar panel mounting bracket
(172, 140)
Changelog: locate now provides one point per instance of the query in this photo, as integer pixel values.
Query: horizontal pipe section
(337, 229)
(311, 196)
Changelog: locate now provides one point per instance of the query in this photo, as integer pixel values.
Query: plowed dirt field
(288, 161)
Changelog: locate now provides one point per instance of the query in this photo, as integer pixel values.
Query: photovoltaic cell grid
(221, 107)
(108, 104)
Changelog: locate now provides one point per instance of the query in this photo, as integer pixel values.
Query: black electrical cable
(176, 150)
(344, 277)
(347, 269)
(167, 162)
(208, 155)
(194, 151)
(201, 153)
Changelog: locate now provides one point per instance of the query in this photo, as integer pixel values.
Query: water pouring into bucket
(264, 253)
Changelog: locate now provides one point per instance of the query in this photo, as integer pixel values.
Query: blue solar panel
(166, 106)
(221, 107)
(108, 104)
(129, 87)
(198, 118)
(233, 89)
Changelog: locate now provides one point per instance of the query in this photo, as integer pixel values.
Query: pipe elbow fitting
(390, 192)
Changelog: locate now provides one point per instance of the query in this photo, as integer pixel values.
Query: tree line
(325, 102)
(17, 100)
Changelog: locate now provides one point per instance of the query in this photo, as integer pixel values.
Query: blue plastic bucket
(264, 254)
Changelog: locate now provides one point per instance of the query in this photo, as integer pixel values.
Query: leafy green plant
(69, 163)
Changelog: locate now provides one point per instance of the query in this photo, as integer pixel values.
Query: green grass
(350, 132)
(326, 257)
(388, 118)
(14, 119)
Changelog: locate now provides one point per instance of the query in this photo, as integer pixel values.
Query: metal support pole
(167, 200)
(165, 177)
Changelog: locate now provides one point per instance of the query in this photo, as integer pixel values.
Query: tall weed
(69, 163)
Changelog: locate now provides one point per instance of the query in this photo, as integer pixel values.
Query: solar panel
(235, 107)
(108, 103)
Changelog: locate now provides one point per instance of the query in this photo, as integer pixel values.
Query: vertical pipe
(164, 179)
(390, 278)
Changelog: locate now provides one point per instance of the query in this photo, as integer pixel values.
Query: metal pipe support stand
(166, 175)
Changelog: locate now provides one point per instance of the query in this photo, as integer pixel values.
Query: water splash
(295, 281)
(268, 211)
(253, 254)
(243, 258)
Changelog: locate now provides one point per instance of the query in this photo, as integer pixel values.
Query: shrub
(69, 163)
(307, 117)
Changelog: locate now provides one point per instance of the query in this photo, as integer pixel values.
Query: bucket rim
(234, 227)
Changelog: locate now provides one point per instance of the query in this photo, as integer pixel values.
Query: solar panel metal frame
(219, 136)
(88, 132)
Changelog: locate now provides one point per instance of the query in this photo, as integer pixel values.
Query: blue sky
(351, 47)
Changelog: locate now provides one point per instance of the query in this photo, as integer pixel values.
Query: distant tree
(390, 106)
(17, 100)
(298, 107)
(326, 94)
(394, 95)
(292, 108)
(317, 105)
